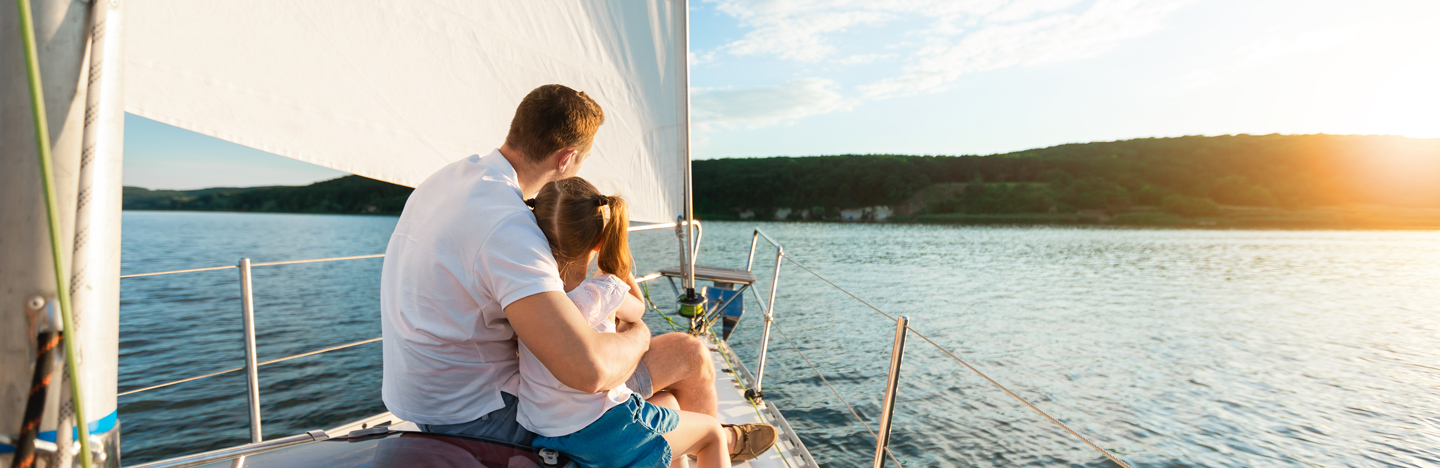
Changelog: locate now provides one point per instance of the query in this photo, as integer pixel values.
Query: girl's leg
(698, 434)
(664, 399)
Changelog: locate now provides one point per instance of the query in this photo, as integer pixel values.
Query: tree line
(344, 195)
(1188, 176)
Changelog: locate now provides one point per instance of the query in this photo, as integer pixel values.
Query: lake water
(1170, 347)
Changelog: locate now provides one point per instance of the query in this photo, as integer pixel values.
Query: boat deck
(789, 451)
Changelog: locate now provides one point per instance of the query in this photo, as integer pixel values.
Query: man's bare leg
(680, 364)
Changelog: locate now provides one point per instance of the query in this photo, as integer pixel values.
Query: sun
(1406, 103)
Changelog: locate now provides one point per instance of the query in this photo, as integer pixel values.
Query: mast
(687, 273)
(80, 84)
(95, 267)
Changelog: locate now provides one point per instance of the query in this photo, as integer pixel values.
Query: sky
(812, 77)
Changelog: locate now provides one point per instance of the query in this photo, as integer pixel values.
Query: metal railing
(902, 328)
(767, 308)
(882, 436)
(247, 301)
(252, 363)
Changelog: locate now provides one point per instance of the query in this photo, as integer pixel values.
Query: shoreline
(1024, 220)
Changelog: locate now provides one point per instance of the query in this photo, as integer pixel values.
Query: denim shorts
(640, 383)
(628, 434)
(500, 425)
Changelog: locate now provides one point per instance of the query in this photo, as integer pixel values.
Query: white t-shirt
(466, 246)
(548, 407)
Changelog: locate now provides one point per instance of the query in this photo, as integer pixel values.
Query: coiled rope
(47, 180)
(967, 365)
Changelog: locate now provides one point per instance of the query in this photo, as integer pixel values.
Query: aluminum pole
(95, 264)
(687, 279)
(765, 333)
(252, 372)
(60, 32)
(750, 261)
(897, 354)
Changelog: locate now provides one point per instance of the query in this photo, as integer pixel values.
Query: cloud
(1048, 38)
(794, 30)
(947, 39)
(765, 105)
(1307, 42)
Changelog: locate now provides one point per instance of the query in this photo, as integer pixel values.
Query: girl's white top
(548, 407)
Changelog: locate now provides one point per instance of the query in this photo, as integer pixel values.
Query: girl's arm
(629, 280)
(630, 310)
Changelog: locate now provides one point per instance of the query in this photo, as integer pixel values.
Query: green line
(724, 351)
(47, 179)
(645, 287)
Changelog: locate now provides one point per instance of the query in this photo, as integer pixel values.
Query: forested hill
(1184, 177)
(1284, 171)
(345, 195)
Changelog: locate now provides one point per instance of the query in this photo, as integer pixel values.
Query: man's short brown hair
(553, 117)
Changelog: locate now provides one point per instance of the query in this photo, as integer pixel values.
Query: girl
(615, 427)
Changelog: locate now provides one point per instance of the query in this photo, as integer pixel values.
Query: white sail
(395, 90)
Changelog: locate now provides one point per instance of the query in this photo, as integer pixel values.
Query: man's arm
(582, 359)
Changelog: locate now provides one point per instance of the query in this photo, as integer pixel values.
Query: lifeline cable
(967, 365)
(47, 179)
(832, 389)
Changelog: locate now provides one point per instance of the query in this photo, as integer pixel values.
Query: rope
(967, 365)
(227, 267)
(35, 405)
(272, 361)
(725, 355)
(832, 389)
(137, 275)
(47, 180)
(317, 260)
(645, 288)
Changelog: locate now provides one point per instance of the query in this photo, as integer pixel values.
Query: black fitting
(45, 344)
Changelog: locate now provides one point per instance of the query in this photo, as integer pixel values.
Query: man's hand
(582, 359)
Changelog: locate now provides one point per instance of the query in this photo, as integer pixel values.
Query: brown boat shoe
(751, 440)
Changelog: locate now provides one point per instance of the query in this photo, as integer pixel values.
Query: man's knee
(692, 352)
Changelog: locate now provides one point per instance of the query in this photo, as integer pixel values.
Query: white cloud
(861, 59)
(765, 105)
(794, 30)
(1050, 38)
(1307, 42)
(955, 38)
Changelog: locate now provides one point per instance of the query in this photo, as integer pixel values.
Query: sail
(393, 90)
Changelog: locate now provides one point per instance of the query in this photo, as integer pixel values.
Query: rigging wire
(967, 365)
(237, 369)
(832, 389)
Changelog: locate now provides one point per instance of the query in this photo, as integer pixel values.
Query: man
(467, 271)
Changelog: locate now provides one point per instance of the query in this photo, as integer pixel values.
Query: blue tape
(101, 426)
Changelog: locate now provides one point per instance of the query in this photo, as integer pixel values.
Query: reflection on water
(1171, 347)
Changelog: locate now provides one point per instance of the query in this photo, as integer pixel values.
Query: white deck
(733, 409)
(789, 451)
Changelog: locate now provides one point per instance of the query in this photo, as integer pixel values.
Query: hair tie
(530, 203)
(602, 201)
